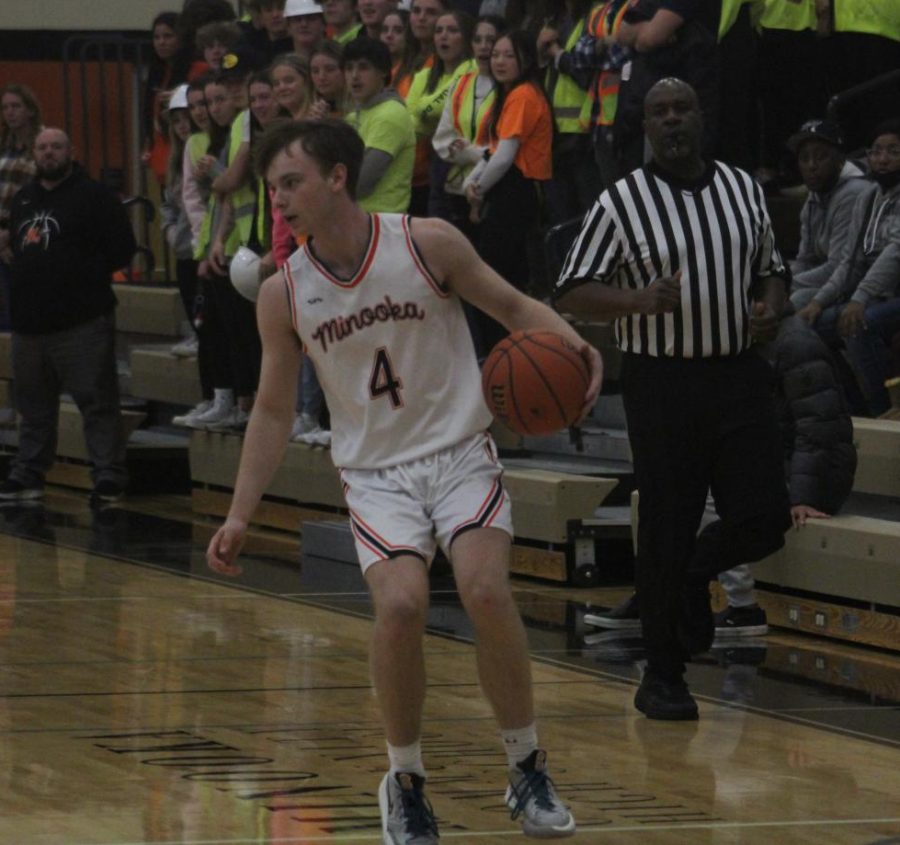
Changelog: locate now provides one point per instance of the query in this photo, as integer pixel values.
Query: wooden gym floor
(142, 700)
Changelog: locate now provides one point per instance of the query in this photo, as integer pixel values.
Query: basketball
(535, 382)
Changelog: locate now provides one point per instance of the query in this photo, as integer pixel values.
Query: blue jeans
(867, 351)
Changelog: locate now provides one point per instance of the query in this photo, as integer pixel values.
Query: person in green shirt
(380, 117)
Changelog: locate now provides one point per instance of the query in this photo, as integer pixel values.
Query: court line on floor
(376, 837)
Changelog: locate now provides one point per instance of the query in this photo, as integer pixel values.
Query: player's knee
(402, 609)
(485, 598)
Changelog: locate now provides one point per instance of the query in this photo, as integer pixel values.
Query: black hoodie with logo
(66, 242)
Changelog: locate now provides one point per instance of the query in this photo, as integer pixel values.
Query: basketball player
(376, 300)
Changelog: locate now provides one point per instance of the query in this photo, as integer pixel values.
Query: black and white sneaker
(406, 815)
(13, 490)
(747, 621)
(531, 798)
(107, 492)
(623, 617)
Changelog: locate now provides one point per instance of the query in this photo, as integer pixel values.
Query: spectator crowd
(506, 117)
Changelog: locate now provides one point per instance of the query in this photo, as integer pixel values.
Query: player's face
(363, 80)
(298, 189)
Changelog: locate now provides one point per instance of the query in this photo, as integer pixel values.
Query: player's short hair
(328, 142)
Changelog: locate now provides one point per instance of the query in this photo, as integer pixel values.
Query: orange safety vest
(604, 90)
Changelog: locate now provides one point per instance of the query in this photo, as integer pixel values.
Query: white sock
(406, 758)
(519, 743)
(223, 396)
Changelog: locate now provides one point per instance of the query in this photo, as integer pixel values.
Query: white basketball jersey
(392, 351)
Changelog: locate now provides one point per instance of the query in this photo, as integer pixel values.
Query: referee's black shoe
(659, 698)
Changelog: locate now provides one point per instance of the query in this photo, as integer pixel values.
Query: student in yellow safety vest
(576, 179)
(461, 138)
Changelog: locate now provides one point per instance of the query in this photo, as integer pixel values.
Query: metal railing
(103, 77)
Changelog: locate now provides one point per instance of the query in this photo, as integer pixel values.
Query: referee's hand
(763, 322)
(661, 296)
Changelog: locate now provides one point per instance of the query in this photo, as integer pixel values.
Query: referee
(680, 253)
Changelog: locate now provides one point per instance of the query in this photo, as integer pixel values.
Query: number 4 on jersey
(383, 379)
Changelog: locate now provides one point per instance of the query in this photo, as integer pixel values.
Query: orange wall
(46, 79)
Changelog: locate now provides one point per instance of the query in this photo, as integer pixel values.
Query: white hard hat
(244, 273)
(296, 8)
(179, 99)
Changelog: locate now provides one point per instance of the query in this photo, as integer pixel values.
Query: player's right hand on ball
(224, 548)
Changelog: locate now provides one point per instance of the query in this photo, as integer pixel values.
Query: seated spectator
(834, 185)
(380, 117)
(858, 306)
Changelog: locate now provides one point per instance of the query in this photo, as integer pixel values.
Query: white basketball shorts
(411, 508)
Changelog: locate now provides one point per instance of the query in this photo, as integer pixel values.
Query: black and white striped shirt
(647, 226)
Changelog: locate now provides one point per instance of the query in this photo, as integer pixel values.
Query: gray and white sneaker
(316, 437)
(221, 409)
(186, 419)
(236, 420)
(406, 814)
(303, 424)
(531, 798)
(186, 348)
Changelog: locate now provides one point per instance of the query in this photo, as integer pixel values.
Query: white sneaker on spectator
(316, 437)
(221, 408)
(303, 423)
(186, 348)
(236, 420)
(185, 419)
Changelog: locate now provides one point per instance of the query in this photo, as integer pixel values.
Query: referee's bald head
(671, 85)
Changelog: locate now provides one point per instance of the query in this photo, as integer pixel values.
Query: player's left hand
(595, 364)
(763, 322)
(224, 548)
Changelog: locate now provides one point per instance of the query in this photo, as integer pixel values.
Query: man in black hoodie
(68, 234)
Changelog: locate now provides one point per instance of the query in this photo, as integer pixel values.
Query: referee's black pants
(697, 425)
